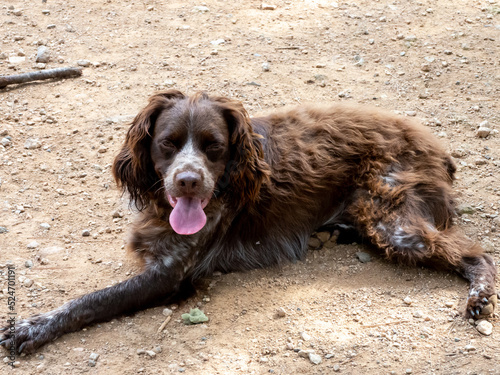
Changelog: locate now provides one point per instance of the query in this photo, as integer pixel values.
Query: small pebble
(449, 304)
(84, 63)
(94, 356)
(33, 245)
(45, 226)
(32, 144)
(363, 257)
(305, 336)
(28, 264)
(28, 283)
(336, 368)
(167, 312)
(315, 358)
(408, 301)
(418, 314)
(42, 55)
(470, 347)
(484, 327)
(268, 6)
(281, 312)
(86, 233)
(151, 353)
(465, 209)
(265, 67)
(483, 132)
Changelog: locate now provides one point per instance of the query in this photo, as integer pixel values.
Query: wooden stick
(289, 47)
(39, 75)
(164, 324)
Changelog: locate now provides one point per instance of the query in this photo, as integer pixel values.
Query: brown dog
(220, 191)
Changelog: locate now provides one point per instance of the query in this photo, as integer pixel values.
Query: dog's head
(187, 151)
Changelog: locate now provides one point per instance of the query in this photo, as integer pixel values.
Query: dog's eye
(168, 147)
(214, 150)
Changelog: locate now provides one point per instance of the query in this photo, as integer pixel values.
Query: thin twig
(290, 47)
(39, 75)
(164, 324)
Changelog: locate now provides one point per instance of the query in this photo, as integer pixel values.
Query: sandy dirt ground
(435, 60)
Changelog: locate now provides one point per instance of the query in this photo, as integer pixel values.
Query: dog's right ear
(133, 168)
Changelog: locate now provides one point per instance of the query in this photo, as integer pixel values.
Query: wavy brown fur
(275, 179)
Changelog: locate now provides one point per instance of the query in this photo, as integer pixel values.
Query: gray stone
(465, 209)
(363, 257)
(45, 226)
(28, 264)
(86, 233)
(84, 63)
(33, 245)
(94, 356)
(32, 144)
(3, 230)
(42, 55)
(483, 132)
(315, 358)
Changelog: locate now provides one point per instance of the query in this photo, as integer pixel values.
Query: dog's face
(189, 150)
(184, 150)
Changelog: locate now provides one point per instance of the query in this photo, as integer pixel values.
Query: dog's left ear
(247, 167)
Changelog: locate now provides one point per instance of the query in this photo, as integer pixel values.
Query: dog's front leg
(159, 282)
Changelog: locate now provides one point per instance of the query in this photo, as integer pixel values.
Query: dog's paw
(481, 306)
(29, 334)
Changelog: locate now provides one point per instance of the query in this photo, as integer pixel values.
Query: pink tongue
(187, 217)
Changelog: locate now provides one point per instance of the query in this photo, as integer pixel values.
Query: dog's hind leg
(408, 232)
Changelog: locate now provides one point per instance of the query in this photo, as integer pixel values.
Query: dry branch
(39, 75)
(164, 324)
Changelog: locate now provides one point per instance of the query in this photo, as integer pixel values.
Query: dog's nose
(188, 182)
